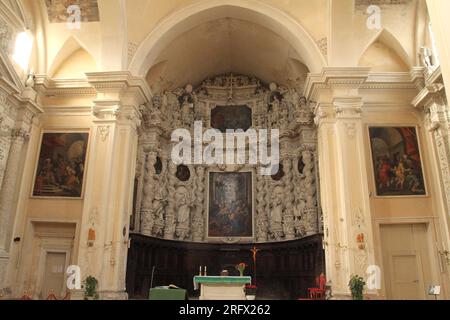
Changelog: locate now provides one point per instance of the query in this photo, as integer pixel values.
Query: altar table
(221, 288)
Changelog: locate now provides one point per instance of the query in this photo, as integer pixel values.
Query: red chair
(52, 296)
(318, 293)
(67, 296)
(25, 296)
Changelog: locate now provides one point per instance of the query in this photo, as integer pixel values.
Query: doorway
(54, 274)
(406, 261)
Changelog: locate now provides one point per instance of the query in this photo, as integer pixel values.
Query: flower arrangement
(241, 267)
(90, 288)
(356, 285)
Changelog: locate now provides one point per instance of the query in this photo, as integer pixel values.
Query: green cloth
(243, 280)
(167, 294)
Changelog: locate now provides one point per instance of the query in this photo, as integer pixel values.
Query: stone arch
(250, 10)
(70, 46)
(388, 40)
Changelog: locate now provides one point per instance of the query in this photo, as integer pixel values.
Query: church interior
(93, 202)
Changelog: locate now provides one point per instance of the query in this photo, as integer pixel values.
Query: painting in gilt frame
(226, 118)
(61, 165)
(396, 161)
(230, 212)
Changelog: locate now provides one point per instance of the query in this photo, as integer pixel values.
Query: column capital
(114, 111)
(348, 107)
(20, 134)
(323, 112)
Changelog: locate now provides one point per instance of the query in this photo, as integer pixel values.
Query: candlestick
(200, 271)
(205, 270)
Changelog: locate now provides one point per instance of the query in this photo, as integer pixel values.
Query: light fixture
(23, 48)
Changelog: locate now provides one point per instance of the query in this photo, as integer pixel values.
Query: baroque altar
(176, 202)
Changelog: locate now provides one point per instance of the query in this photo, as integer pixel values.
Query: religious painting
(230, 205)
(61, 165)
(231, 118)
(396, 161)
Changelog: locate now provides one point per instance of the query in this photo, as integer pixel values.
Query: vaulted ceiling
(226, 45)
(175, 42)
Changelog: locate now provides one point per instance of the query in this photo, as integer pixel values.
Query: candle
(205, 270)
(200, 271)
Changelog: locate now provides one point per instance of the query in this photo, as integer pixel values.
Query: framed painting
(396, 161)
(61, 165)
(230, 205)
(226, 118)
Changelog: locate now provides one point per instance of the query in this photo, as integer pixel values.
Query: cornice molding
(121, 83)
(435, 76)
(362, 78)
(63, 87)
(427, 94)
(334, 77)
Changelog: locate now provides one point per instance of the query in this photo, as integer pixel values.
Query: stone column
(109, 182)
(261, 212)
(310, 212)
(147, 219)
(345, 194)
(343, 174)
(198, 221)
(288, 218)
(170, 220)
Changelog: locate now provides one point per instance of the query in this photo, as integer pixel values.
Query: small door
(406, 261)
(407, 280)
(54, 274)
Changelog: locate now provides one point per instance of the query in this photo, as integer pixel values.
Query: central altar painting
(230, 205)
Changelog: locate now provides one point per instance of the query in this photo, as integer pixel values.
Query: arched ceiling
(225, 45)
